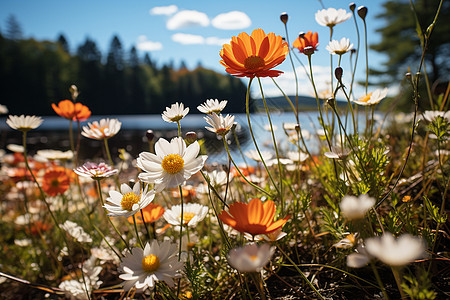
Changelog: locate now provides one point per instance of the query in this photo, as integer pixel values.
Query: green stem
(398, 281)
(380, 283)
(100, 194)
(247, 107)
(301, 274)
(181, 221)
(137, 232)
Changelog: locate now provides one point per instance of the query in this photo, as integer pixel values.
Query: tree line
(34, 74)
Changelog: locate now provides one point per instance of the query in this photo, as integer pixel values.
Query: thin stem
(380, 283)
(99, 188)
(367, 53)
(181, 221)
(398, 281)
(137, 232)
(303, 275)
(247, 107)
(296, 110)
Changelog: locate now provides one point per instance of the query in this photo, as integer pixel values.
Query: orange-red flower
(151, 212)
(255, 55)
(307, 43)
(55, 181)
(72, 111)
(254, 218)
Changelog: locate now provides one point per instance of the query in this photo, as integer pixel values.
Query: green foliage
(122, 83)
(419, 287)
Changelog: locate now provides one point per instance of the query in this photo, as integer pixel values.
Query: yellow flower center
(172, 163)
(253, 257)
(128, 200)
(187, 217)
(150, 263)
(176, 118)
(365, 98)
(253, 62)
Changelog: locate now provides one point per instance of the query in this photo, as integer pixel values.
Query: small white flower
(76, 289)
(358, 259)
(253, 154)
(128, 201)
(103, 129)
(175, 113)
(94, 171)
(219, 178)
(289, 126)
(3, 109)
(24, 123)
(339, 47)
(332, 16)
(395, 252)
(212, 106)
(297, 156)
(372, 98)
(193, 213)
(220, 125)
(348, 242)
(173, 163)
(356, 207)
(431, 115)
(250, 258)
(76, 231)
(156, 262)
(55, 154)
(15, 148)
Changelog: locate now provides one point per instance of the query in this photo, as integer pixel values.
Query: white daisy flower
(15, 148)
(356, 207)
(372, 98)
(220, 125)
(339, 47)
(76, 231)
(250, 258)
(172, 164)
(193, 213)
(395, 252)
(24, 123)
(431, 115)
(219, 178)
(332, 16)
(51, 154)
(3, 109)
(212, 106)
(175, 113)
(128, 201)
(254, 155)
(297, 156)
(103, 129)
(156, 262)
(94, 171)
(358, 259)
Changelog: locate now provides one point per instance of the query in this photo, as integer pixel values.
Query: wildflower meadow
(361, 215)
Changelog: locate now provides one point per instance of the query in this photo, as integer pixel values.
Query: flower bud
(74, 91)
(331, 102)
(297, 127)
(352, 6)
(284, 17)
(150, 135)
(362, 12)
(301, 34)
(408, 76)
(191, 137)
(338, 73)
(353, 50)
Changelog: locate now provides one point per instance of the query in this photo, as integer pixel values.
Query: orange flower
(151, 212)
(255, 55)
(307, 43)
(55, 181)
(72, 111)
(254, 217)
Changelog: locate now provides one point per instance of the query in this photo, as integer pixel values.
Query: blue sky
(191, 31)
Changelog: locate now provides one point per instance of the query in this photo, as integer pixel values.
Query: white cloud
(187, 18)
(216, 41)
(164, 10)
(231, 20)
(188, 39)
(144, 44)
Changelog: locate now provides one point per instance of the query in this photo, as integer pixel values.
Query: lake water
(53, 133)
